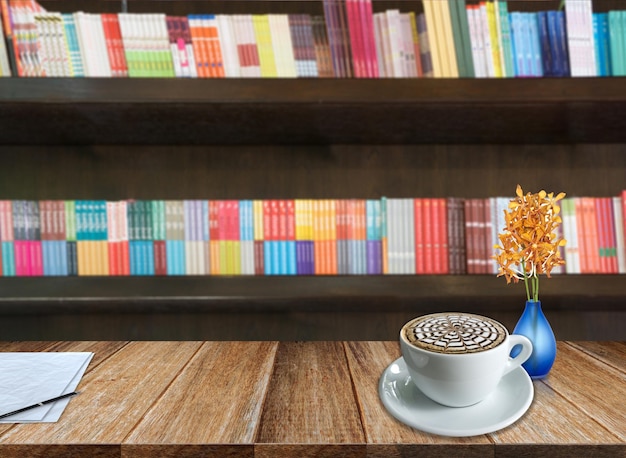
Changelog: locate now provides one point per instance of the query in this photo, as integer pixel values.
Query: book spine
(619, 202)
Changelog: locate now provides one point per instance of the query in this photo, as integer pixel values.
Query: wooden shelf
(284, 399)
(23, 295)
(79, 111)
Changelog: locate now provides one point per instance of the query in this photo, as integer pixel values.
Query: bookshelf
(94, 138)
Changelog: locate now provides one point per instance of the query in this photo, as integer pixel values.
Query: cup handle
(524, 354)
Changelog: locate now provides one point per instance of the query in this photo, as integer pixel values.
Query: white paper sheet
(28, 378)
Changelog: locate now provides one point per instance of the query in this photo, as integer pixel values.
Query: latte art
(455, 333)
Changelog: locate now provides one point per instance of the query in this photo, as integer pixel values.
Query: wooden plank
(60, 451)
(386, 436)
(25, 346)
(310, 401)
(611, 353)
(561, 451)
(592, 386)
(113, 398)
(187, 451)
(216, 399)
(101, 350)
(575, 404)
(553, 419)
(245, 399)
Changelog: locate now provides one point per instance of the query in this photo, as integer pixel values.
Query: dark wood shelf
(88, 111)
(29, 295)
(587, 307)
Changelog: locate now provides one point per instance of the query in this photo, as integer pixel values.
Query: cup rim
(410, 345)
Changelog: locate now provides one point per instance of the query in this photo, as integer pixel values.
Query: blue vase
(534, 325)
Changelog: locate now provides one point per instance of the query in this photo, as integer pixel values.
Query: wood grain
(303, 399)
(101, 350)
(60, 451)
(579, 402)
(187, 451)
(553, 419)
(595, 388)
(216, 399)
(310, 398)
(611, 353)
(19, 346)
(114, 397)
(367, 361)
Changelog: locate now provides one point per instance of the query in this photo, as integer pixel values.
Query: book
(92, 43)
(473, 234)
(60, 238)
(70, 234)
(410, 45)
(442, 9)
(555, 67)
(456, 235)
(259, 236)
(506, 46)
(462, 41)
(228, 45)
(359, 240)
(43, 32)
(46, 208)
(616, 43)
(535, 45)
(252, 41)
(323, 53)
(521, 50)
(114, 37)
(494, 38)
(365, 9)
(412, 20)
(211, 35)
(338, 37)
(602, 43)
(580, 39)
(178, 49)
(619, 222)
(394, 39)
(373, 237)
(484, 31)
(189, 55)
(199, 45)
(477, 41)
(26, 40)
(340, 9)
(8, 43)
(246, 231)
(282, 45)
(76, 68)
(267, 59)
(7, 238)
(356, 37)
(424, 46)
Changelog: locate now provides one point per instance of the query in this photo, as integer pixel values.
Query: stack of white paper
(30, 378)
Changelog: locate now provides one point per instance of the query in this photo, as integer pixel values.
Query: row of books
(450, 38)
(289, 236)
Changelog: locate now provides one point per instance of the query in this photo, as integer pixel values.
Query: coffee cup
(458, 359)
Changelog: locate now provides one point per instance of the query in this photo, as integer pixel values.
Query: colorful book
(262, 33)
(580, 39)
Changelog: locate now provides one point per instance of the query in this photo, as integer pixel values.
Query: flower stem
(525, 280)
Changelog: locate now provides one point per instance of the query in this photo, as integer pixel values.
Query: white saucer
(510, 400)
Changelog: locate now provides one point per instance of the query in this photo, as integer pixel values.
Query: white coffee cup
(458, 359)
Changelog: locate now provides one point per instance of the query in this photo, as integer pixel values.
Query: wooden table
(280, 399)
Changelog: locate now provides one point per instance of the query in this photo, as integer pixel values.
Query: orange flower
(529, 245)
